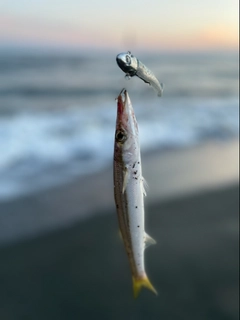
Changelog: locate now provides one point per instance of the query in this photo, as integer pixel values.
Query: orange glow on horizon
(219, 36)
(36, 31)
(214, 37)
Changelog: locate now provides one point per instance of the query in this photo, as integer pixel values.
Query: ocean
(58, 111)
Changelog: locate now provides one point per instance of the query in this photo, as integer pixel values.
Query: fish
(134, 67)
(129, 191)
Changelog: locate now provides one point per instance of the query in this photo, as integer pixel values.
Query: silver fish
(134, 67)
(129, 191)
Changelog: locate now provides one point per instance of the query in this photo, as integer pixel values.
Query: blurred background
(58, 84)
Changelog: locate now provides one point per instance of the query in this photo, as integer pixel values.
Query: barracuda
(129, 191)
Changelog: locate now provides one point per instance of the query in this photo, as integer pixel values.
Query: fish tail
(138, 283)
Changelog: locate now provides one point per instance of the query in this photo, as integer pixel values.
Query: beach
(61, 256)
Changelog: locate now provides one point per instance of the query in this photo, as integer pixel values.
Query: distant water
(57, 112)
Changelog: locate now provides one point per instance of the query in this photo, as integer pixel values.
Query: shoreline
(170, 175)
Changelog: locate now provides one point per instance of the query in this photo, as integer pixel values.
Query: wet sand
(80, 270)
(170, 174)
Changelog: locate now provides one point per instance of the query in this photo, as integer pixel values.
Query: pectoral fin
(148, 241)
(144, 186)
(125, 179)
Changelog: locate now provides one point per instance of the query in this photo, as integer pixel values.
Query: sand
(170, 174)
(82, 272)
(76, 268)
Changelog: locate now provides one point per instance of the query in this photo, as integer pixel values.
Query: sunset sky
(143, 24)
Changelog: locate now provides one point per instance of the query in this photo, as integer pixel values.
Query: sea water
(58, 111)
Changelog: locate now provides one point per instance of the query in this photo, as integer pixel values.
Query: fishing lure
(134, 67)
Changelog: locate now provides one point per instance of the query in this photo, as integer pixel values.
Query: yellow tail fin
(138, 283)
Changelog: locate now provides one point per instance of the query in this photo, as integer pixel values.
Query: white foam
(42, 148)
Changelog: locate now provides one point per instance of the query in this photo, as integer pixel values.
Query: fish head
(127, 62)
(126, 134)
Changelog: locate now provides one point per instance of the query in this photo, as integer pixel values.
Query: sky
(105, 24)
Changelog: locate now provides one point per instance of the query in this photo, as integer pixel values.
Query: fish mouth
(125, 113)
(121, 101)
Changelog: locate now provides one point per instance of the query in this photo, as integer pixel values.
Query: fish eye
(128, 59)
(120, 136)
